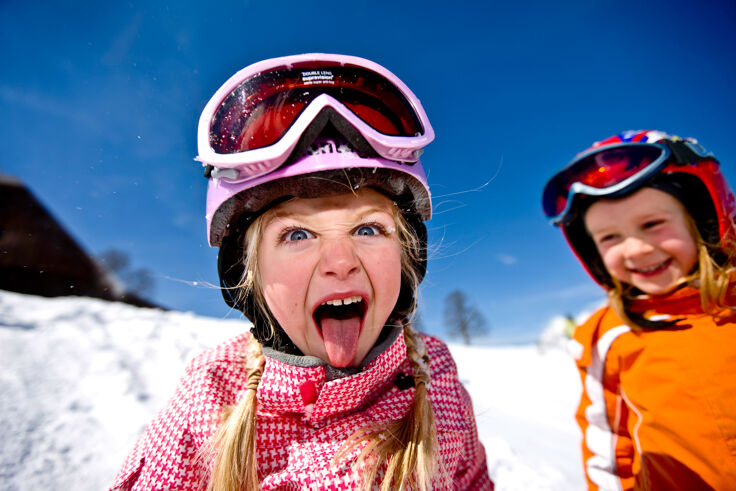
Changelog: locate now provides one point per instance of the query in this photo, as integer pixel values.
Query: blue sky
(99, 103)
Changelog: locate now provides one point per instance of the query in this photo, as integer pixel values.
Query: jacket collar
(303, 384)
(683, 301)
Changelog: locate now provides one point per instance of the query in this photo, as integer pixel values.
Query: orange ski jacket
(658, 409)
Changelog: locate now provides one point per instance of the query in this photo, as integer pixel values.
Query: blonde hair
(405, 448)
(712, 279)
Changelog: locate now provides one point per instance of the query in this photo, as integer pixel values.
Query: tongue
(341, 339)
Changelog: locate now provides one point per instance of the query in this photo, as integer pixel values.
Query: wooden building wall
(38, 257)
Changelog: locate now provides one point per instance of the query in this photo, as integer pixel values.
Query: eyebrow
(276, 214)
(603, 231)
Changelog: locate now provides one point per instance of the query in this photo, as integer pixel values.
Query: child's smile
(643, 239)
(652, 270)
(330, 269)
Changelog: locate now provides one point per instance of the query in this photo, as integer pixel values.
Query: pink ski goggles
(254, 121)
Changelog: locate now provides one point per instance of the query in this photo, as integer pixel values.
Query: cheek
(687, 254)
(693, 259)
(613, 261)
(283, 284)
(386, 274)
(278, 299)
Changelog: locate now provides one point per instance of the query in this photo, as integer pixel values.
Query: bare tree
(463, 320)
(114, 260)
(138, 281)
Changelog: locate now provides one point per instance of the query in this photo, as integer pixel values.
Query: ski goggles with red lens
(255, 120)
(612, 170)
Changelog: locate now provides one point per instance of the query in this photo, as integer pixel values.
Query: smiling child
(651, 218)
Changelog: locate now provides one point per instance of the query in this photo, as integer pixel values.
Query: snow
(80, 378)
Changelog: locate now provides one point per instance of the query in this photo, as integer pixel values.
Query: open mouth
(340, 309)
(340, 322)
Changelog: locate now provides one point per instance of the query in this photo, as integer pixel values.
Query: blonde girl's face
(330, 272)
(643, 239)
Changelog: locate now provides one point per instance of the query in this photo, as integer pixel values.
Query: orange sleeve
(602, 416)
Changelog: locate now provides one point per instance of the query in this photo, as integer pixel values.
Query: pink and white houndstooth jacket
(303, 419)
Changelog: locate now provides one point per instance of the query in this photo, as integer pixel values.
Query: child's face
(330, 249)
(643, 239)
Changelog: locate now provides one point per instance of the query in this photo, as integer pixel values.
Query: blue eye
(367, 230)
(298, 234)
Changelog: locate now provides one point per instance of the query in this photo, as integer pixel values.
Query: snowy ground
(80, 378)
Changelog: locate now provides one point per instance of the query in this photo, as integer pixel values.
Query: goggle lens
(599, 170)
(260, 111)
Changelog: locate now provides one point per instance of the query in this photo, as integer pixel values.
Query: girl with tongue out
(651, 218)
(316, 199)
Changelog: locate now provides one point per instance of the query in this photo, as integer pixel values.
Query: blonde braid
(406, 446)
(235, 464)
(422, 437)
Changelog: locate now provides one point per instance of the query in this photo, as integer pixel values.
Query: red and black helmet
(623, 163)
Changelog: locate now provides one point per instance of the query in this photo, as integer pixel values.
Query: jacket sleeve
(165, 456)
(475, 470)
(602, 414)
(461, 449)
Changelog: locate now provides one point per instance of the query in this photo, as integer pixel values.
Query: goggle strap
(683, 153)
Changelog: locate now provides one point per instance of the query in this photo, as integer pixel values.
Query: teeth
(344, 301)
(649, 269)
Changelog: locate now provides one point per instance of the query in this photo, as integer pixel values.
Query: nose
(635, 247)
(338, 258)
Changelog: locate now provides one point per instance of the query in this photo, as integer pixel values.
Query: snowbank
(80, 378)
